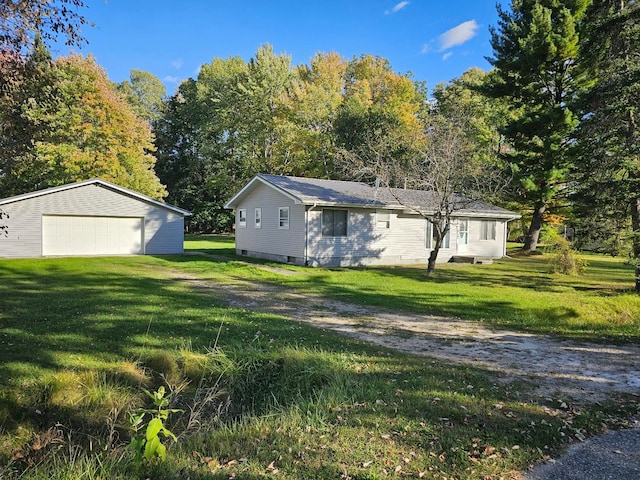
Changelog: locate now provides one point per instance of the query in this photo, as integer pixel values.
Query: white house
(92, 217)
(315, 222)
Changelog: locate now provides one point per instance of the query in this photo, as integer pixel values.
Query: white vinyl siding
(271, 241)
(365, 244)
(405, 242)
(163, 228)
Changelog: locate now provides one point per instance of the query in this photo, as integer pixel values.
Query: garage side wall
(163, 229)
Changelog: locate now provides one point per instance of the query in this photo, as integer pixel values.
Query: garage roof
(98, 182)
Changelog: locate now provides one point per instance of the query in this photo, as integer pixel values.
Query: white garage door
(70, 235)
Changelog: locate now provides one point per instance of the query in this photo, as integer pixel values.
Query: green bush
(565, 259)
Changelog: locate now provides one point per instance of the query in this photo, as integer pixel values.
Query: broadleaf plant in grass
(146, 443)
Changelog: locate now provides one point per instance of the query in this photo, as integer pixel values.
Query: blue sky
(435, 40)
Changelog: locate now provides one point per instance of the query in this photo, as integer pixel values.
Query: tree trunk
(431, 264)
(532, 237)
(438, 234)
(635, 227)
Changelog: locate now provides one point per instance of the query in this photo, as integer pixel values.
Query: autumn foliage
(66, 123)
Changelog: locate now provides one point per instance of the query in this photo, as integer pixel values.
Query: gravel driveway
(567, 370)
(574, 371)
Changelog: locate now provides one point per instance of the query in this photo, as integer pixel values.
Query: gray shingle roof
(94, 181)
(310, 191)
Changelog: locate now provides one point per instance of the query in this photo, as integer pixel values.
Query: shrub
(566, 259)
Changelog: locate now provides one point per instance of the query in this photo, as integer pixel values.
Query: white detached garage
(93, 217)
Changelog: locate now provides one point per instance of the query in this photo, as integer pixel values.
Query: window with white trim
(383, 218)
(488, 230)
(334, 222)
(258, 218)
(242, 217)
(463, 232)
(283, 218)
(431, 237)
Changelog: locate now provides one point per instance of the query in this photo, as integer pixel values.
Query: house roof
(99, 182)
(338, 193)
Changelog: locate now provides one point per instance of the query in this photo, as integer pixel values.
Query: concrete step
(471, 259)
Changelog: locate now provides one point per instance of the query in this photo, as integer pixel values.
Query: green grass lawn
(518, 293)
(79, 338)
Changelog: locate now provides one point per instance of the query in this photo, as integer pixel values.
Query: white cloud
(170, 79)
(458, 35)
(396, 8)
(447, 55)
(177, 64)
(427, 47)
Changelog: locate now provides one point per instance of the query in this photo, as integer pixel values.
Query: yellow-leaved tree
(81, 128)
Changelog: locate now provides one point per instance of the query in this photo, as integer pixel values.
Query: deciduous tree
(310, 110)
(378, 124)
(21, 21)
(197, 140)
(77, 127)
(145, 93)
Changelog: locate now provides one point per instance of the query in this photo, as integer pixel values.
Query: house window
(242, 217)
(463, 233)
(383, 218)
(488, 230)
(431, 237)
(283, 218)
(334, 222)
(258, 219)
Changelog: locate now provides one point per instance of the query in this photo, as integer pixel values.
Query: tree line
(554, 120)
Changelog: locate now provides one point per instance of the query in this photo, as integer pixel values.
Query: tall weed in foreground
(147, 443)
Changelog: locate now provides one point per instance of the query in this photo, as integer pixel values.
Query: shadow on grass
(532, 299)
(92, 314)
(87, 314)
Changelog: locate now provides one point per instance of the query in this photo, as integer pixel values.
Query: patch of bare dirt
(570, 370)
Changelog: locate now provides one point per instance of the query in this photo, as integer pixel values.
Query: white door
(71, 235)
(463, 236)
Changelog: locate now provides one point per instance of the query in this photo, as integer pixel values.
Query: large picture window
(431, 237)
(488, 230)
(283, 218)
(334, 222)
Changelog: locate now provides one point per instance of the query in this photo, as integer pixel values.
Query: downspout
(306, 234)
(506, 229)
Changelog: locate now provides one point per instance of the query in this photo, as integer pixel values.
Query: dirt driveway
(567, 370)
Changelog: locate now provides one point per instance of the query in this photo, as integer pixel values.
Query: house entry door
(463, 236)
